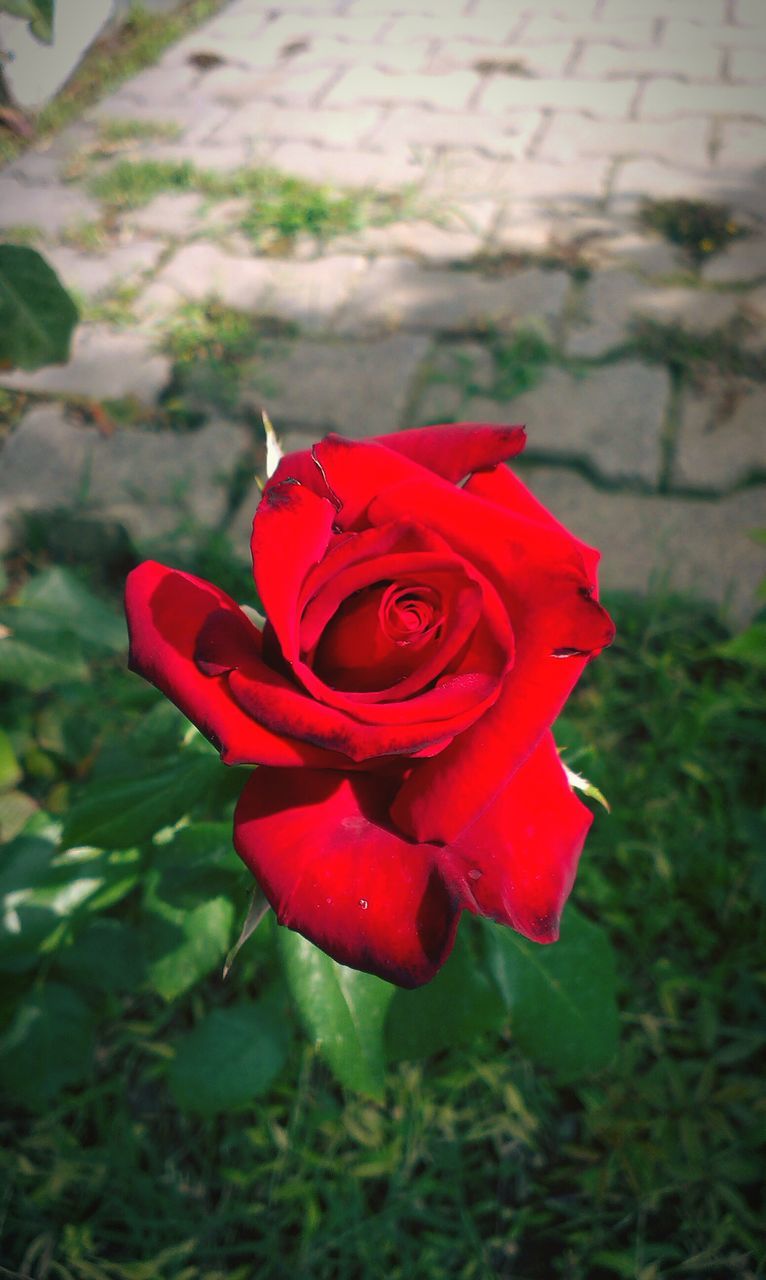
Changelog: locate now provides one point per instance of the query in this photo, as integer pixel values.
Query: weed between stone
(211, 346)
(281, 208)
(695, 355)
(699, 227)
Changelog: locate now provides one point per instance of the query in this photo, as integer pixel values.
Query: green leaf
(16, 808)
(198, 847)
(40, 889)
(48, 1046)
(159, 732)
(456, 1006)
(60, 594)
(10, 771)
(256, 913)
(561, 996)
(184, 946)
(106, 955)
(231, 1057)
(36, 653)
(39, 13)
(749, 647)
(37, 315)
(25, 921)
(119, 814)
(342, 1010)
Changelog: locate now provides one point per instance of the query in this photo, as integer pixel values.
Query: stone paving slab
(692, 545)
(298, 383)
(306, 292)
(91, 274)
(105, 364)
(394, 294)
(152, 483)
(722, 436)
(611, 419)
(605, 312)
(51, 210)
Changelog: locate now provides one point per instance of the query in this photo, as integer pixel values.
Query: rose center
(409, 614)
(378, 635)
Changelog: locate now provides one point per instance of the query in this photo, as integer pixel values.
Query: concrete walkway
(517, 281)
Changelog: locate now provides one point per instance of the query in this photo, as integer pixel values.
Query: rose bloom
(426, 619)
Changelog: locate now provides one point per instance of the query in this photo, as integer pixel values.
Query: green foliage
(124, 1050)
(48, 1045)
(233, 1055)
(120, 813)
(749, 647)
(39, 13)
(37, 315)
(698, 226)
(343, 1012)
(696, 355)
(454, 1009)
(209, 344)
(67, 602)
(295, 207)
(280, 207)
(119, 129)
(520, 362)
(561, 997)
(129, 184)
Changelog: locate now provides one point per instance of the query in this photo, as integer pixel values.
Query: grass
(699, 227)
(12, 406)
(22, 233)
(208, 343)
(130, 184)
(115, 308)
(88, 237)
(139, 41)
(476, 1165)
(118, 130)
(519, 362)
(281, 208)
(516, 364)
(697, 355)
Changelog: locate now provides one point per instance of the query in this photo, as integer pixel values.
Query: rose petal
(451, 451)
(539, 572)
(428, 721)
(324, 854)
(517, 862)
(291, 532)
(501, 486)
(438, 801)
(166, 611)
(456, 449)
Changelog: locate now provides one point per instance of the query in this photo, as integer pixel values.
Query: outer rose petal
(291, 532)
(166, 611)
(320, 846)
(455, 450)
(452, 451)
(500, 485)
(517, 862)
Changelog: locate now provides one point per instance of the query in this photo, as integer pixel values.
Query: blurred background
(364, 216)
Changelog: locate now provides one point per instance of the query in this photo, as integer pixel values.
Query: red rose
(422, 635)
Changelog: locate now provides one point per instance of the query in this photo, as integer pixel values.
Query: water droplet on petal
(474, 875)
(363, 903)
